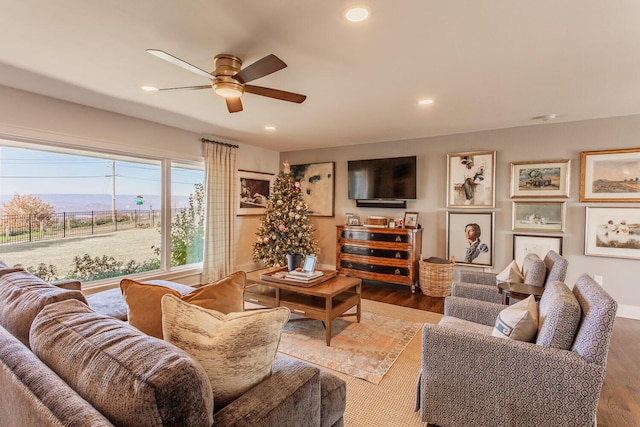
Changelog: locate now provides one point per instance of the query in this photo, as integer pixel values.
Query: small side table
(518, 291)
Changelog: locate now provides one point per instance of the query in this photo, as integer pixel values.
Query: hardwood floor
(619, 404)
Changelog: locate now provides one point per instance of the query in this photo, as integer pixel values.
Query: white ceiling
(487, 64)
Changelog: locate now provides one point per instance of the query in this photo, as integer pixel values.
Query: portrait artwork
(471, 180)
(470, 238)
(316, 182)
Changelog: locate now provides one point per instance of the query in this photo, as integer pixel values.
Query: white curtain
(221, 190)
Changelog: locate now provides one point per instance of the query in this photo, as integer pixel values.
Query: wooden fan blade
(262, 67)
(179, 62)
(187, 88)
(275, 93)
(234, 105)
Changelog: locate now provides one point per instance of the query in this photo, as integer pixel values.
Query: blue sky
(26, 171)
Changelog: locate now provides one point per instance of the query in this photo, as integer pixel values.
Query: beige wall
(549, 141)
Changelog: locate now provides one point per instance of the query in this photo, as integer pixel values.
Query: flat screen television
(393, 178)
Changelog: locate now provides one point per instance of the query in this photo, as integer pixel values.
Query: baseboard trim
(628, 311)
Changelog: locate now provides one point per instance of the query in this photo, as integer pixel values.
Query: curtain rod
(218, 142)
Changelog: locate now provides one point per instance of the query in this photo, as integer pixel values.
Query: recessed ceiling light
(268, 127)
(149, 88)
(357, 14)
(425, 101)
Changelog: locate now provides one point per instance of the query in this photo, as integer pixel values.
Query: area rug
(363, 350)
(391, 402)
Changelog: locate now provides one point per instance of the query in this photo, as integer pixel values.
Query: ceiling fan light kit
(228, 80)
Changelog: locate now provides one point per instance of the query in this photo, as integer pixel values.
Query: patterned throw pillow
(145, 311)
(518, 321)
(511, 274)
(236, 350)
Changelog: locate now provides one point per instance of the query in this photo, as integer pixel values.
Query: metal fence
(33, 228)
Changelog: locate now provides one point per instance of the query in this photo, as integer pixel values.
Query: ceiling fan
(230, 81)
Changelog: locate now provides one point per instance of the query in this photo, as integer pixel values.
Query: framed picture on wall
(316, 181)
(470, 238)
(255, 190)
(471, 179)
(610, 176)
(612, 232)
(538, 216)
(540, 179)
(524, 244)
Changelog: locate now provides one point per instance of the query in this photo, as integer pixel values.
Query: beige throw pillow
(236, 350)
(510, 274)
(518, 321)
(143, 300)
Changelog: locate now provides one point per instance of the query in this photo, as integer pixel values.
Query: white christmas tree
(285, 227)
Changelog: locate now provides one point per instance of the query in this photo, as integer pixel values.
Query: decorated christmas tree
(285, 227)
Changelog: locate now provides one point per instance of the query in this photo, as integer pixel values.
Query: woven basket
(436, 276)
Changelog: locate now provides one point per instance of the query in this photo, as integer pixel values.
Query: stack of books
(303, 276)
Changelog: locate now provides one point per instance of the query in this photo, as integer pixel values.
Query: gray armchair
(470, 378)
(482, 286)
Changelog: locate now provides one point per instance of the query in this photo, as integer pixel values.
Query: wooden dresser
(382, 254)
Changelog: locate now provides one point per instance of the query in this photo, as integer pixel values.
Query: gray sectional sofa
(63, 364)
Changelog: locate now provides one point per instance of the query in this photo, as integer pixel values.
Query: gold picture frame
(549, 178)
(610, 175)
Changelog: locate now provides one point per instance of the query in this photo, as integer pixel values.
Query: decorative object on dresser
(410, 220)
(471, 179)
(540, 179)
(376, 221)
(610, 176)
(382, 254)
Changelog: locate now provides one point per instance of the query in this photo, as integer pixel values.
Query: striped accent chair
(470, 378)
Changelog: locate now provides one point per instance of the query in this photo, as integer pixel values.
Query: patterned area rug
(363, 350)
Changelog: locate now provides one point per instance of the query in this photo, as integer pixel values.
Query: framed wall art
(471, 179)
(255, 189)
(316, 181)
(538, 216)
(470, 238)
(540, 245)
(610, 176)
(540, 179)
(612, 232)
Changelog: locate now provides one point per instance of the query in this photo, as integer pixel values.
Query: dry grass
(122, 245)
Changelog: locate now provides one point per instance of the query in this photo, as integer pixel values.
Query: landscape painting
(540, 179)
(612, 175)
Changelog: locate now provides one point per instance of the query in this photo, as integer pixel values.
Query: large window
(91, 216)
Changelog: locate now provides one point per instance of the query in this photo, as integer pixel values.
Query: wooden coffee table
(519, 291)
(325, 301)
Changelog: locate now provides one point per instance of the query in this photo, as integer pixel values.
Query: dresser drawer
(380, 253)
(372, 268)
(376, 236)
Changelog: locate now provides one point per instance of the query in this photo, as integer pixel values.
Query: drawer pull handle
(299, 311)
(351, 235)
(398, 239)
(371, 250)
(398, 255)
(350, 265)
(397, 272)
(253, 300)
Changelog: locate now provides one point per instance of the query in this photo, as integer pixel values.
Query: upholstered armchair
(483, 286)
(470, 378)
